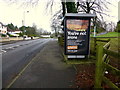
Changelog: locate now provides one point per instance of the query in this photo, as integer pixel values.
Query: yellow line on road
(19, 74)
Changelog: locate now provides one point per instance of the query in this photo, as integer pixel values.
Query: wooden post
(99, 67)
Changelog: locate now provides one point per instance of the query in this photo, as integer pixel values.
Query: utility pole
(94, 26)
(94, 22)
(23, 21)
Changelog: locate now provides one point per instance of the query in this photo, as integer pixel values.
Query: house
(14, 33)
(45, 36)
(3, 29)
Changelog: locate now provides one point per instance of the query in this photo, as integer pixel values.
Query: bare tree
(56, 22)
(99, 7)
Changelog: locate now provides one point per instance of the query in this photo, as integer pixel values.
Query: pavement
(46, 70)
(17, 55)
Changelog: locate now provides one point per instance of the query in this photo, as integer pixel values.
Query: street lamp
(23, 21)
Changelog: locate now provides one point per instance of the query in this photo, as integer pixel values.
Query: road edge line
(20, 73)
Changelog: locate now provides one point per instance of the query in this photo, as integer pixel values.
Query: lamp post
(23, 21)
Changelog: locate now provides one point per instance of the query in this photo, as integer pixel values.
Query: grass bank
(114, 42)
(110, 34)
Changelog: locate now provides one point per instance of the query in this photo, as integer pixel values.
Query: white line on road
(10, 47)
(17, 45)
(21, 72)
(2, 51)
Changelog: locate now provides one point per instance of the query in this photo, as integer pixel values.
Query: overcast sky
(14, 13)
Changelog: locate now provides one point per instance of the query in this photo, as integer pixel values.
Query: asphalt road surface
(17, 55)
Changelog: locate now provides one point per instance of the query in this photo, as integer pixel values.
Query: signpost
(77, 34)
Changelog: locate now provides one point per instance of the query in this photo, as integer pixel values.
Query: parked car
(25, 37)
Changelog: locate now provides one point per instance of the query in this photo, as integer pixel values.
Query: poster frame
(79, 17)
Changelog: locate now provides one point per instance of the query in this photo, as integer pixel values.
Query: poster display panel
(77, 32)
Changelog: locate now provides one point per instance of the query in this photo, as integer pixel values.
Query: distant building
(119, 11)
(3, 29)
(45, 36)
(14, 33)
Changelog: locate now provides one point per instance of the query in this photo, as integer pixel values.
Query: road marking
(13, 47)
(17, 45)
(20, 73)
(10, 47)
(2, 51)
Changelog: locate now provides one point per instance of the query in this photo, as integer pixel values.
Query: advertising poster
(77, 36)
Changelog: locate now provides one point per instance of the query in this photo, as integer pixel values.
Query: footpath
(47, 70)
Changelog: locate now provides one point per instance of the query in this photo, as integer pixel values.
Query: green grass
(110, 34)
(113, 44)
(113, 41)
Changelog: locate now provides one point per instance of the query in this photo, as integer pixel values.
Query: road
(102, 33)
(17, 55)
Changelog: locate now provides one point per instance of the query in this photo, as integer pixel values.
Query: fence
(98, 39)
(102, 65)
(102, 60)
